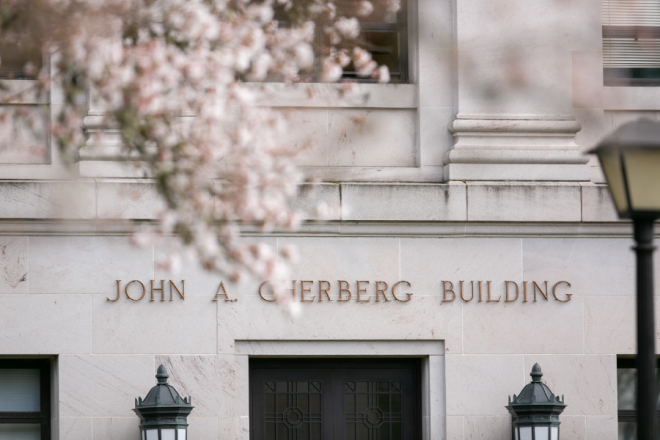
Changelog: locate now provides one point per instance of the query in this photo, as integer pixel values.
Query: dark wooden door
(335, 399)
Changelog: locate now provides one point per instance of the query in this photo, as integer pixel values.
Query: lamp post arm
(646, 357)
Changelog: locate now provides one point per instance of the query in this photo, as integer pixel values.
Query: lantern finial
(536, 373)
(162, 375)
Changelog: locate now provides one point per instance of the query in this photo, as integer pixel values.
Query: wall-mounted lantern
(163, 413)
(535, 411)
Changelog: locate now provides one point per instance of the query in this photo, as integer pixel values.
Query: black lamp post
(163, 413)
(535, 411)
(630, 157)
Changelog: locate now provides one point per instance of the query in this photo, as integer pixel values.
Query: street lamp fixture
(535, 411)
(163, 413)
(630, 157)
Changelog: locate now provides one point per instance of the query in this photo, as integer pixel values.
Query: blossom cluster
(171, 77)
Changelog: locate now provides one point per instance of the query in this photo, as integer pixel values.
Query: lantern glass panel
(182, 434)
(525, 433)
(541, 432)
(643, 179)
(554, 433)
(612, 169)
(167, 434)
(152, 434)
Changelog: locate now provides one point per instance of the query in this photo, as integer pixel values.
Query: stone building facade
(478, 240)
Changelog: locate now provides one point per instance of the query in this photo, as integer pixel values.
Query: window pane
(627, 388)
(19, 390)
(626, 379)
(627, 431)
(20, 432)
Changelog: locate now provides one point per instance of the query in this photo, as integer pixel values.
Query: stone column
(514, 93)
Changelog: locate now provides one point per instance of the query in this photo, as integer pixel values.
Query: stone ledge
(472, 201)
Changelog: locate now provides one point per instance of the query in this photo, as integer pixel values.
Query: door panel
(330, 399)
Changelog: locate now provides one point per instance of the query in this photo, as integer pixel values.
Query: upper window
(631, 42)
(24, 399)
(326, 399)
(383, 34)
(626, 375)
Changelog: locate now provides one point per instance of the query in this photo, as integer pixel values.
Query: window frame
(337, 365)
(630, 32)
(42, 417)
(630, 415)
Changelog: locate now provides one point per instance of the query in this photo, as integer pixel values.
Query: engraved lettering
(224, 292)
(524, 291)
(162, 290)
(144, 290)
(361, 290)
(323, 290)
(381, 291)
(118, 292)
(460, 283)
(344, 287)
(394, 291)
(545, 294)
(445, 290)
(568, 295)
(261, 294)
(304, 290)
(488, 290)
(180, 292)
(506, 285)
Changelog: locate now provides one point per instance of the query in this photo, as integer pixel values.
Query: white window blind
(19, 390)
(631, 31)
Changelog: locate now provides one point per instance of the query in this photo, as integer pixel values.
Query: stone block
(496, 327)
(308, 134)
(488, 428)
(116, 428)
(22, 142)
(588, 382)
(199, 281)
(434, 137)
(363, 137)
(77, 428)
(93, 264)
(572, 427)
(602, 428)
(610, 324)
(455, 429)
(103, 386)
(500, 201)
(478, 385)
(204, 428)
(419, 202)
(13, 264)
(318, 201)
(603, 266)
(436, 69)
(421, 318)
(160, 327)
(631, 98)
(597, 204)
(45, 324)
(587, 27)
(208, 379)
(47, 199)
(429, 261)
(345, 258)
(587, 65)
(128, 199)
(594, 126)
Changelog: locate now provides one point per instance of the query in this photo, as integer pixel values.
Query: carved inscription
(359, 291)
(510, 291)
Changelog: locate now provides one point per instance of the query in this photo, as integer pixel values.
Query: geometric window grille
(335, 399)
